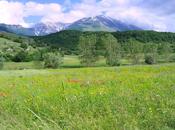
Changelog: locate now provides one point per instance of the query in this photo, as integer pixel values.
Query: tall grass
(123, 98)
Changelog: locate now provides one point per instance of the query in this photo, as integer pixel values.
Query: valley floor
(123, 98)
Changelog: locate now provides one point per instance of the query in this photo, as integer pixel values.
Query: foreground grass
(123, 98)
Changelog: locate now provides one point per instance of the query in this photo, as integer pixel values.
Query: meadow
(72, 61)
(138, 97)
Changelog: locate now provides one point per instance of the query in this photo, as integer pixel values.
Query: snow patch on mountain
(97, 23)
(47, 28)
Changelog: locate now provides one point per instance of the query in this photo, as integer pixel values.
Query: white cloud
(11, 12)
(132, 11)
(15, 12)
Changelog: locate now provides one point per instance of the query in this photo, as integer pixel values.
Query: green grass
(18, 66)
(123, 98)
(72, 61)
(69, 62)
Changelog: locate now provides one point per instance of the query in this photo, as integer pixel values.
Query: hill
(11, 45)
(14, 37)
(68, 40)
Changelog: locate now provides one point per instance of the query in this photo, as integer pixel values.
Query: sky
(158, 15)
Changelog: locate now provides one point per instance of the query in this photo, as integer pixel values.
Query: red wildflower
(3, 94)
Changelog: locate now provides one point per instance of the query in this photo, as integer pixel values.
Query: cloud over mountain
(151, 14)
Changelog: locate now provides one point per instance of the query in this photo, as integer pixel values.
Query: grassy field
(72, 61)
(69, 62)
(121, 98)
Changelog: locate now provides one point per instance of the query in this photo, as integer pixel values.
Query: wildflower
(74, 81)
(3, 94)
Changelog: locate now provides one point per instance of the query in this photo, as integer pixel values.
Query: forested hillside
(146, 36)
(15, 38)
(68, 40)
(16, 48)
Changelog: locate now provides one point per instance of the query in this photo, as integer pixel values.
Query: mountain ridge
(101, 23)
(97, 23)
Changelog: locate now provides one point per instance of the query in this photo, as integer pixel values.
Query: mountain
(38, 29)
(98, 23)
(101, 23)
(41, 29)
(17, 29)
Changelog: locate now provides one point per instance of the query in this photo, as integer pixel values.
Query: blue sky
(150, 14)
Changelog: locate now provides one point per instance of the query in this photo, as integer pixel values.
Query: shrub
(52, 60)
(20, 57)
(149, 59)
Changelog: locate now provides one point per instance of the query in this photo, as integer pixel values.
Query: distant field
(70, 61)
(122, 98)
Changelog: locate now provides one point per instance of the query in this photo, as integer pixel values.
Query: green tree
(52, 60)
(37, 59)
(165, 50)
(87, 48)
(150, 51)
(113, 50)
(134, 49)
(1, 62)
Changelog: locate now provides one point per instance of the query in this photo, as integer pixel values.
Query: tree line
(90, 46)
(113, 51)
(68, 40)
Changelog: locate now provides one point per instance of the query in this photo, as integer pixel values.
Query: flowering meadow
(110, 98)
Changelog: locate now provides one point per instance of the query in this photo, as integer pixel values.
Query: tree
(37, 59)
(52, 60)
(87, 48)
(113, 50)
(1, 62)
(134, 49)
(150, 50)
(165, 50)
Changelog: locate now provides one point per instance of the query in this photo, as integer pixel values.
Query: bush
(20, 57)
(52, 60)
(149, 59)
(113, 62)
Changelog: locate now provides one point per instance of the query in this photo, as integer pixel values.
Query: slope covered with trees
(16, 48)
(68, 40)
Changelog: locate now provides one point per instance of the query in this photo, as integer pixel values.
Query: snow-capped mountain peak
(47, 28)
(95, 23)
(101, 23)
